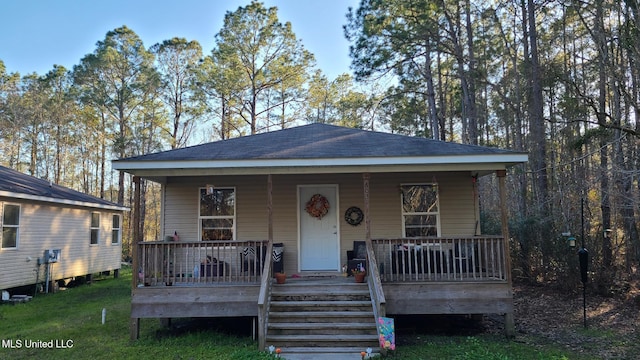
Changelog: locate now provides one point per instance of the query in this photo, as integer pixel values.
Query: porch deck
(461, 275)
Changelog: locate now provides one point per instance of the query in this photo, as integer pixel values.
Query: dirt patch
(546, 315)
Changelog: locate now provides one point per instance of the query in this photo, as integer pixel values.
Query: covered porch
(412, 202)
(431, 275)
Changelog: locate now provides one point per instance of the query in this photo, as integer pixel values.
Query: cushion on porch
(252, 258)
(213, 269)
(359, 251)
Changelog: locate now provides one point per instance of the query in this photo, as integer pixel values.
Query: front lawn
(70, 321)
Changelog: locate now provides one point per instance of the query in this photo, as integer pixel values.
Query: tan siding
(457, 209)
(251, 205)
(351, 194)
(181, 206)
(44, 226)
(285, 219)
(386, 219)
(181, 211)
(457, 206)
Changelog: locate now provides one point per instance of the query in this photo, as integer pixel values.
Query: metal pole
(584, 303)
(583, 267)
(582, 218)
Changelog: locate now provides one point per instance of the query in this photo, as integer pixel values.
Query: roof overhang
(160, 170)
(14, 195)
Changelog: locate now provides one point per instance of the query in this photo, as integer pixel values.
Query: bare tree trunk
(469, 112)
(537, 127)
(630, 203)
(441, 100)
(603, 62)
(431, 94)
(471, 78)
(103, 155)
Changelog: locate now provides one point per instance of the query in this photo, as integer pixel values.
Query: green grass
(71, 320)
(482, 347)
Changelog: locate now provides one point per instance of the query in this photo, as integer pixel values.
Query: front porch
(431, 275)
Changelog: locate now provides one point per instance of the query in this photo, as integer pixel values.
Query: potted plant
(358, 274)
(280, 277)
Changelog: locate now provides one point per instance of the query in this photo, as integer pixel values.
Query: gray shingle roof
(318, 141)
(17, 184)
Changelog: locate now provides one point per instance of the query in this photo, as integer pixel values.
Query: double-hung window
(217, 213)
(116, 229)
(420, 210)
(95, 228)
(10, 226)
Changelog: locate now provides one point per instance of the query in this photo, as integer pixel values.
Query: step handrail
(375, 286)
(264, 297)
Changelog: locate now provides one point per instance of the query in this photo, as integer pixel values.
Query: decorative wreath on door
(317, 206)
(353, 216)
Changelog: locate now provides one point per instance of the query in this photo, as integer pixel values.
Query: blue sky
(36, 34)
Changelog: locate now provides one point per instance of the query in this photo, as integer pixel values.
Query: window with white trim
(10, 226)
(420, 210)
(217, 213)
(116, 229)
(95, 228)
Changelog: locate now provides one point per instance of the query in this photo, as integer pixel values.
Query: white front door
(319, 239)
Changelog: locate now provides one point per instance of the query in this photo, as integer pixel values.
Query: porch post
(134, 325)
(270, 208)
(367, 219)
(509, 325)
(504, 221)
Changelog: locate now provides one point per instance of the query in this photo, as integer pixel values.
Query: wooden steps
(314, 320)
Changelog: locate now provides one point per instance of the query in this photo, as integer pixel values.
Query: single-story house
(50, 232)
(318, 201)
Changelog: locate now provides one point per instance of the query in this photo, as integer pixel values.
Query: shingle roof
(18, 185)
(318, 141)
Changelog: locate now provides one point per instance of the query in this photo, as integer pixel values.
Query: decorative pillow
(277, 253)
(249, 252)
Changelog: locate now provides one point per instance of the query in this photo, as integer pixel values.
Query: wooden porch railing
(473, 258)
(378, 299)
(264, 298)
(167, 263)
(375, 283)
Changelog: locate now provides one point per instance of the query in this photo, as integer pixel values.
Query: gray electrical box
(51, 256)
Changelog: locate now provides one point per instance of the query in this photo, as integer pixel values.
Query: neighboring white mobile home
(52, 232)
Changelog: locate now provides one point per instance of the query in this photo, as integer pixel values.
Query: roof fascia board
(164, 173)
(14, 195)
(419, 161)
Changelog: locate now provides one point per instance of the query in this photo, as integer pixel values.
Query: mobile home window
(116, 229)
(217, 213)
(10, 226)
(95, 228)
(420, 210)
